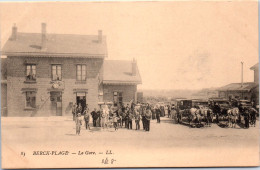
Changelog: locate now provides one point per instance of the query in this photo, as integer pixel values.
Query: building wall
(234, 94)
(3, 99)
(16, 83)
(140, 97)
(129, 92)
(256, 75)
(255, 95)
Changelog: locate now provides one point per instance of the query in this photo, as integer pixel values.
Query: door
(56, 103)
(81, 100)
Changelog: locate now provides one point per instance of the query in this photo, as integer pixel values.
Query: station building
(244, 90)
(44, 74)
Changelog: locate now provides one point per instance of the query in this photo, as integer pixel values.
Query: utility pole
(242, 73)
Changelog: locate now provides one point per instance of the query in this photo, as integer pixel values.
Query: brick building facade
(120, 81)
(47, 73)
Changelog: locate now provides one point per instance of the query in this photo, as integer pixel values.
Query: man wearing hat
(158, 114)
(130, 119)
(94, 116)
(143, 118)
(86, 117)
(148, 118)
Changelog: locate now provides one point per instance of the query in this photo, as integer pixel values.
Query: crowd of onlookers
(123, 116)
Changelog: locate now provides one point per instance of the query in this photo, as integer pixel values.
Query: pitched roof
(256, 66)
(120, 72)
(237, 87)
(65, 45)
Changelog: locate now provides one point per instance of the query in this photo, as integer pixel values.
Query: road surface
(44, 142)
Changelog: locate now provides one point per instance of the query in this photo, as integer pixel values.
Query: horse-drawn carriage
(247, 111)
(184, 112)
(189, 114)
(228, 114)
(220, 108)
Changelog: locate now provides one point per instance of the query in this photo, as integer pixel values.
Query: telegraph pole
(242, 73)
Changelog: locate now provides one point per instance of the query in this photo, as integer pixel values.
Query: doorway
(56, 103)
(81, 100)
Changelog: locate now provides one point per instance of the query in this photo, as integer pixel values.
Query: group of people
(107, 116)
(77, 113)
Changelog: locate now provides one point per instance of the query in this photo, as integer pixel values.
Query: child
(115, 121)
(78, 123)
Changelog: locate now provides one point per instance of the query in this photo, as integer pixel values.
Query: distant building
(44, 74)
(206, 93)
(247, 90)
(3, 87)
(255, 68)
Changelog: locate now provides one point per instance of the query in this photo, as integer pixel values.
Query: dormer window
(30, 72)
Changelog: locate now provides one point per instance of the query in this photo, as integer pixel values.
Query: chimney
(134, 65)
(14, 32)
(242, 83)
(43, 36)
(100, 36)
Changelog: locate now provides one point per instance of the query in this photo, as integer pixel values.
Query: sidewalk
(49, 119)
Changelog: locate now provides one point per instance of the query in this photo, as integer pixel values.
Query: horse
(105, 116)
(235, 112)
(232, 115)
(208, 116)
(174, 115)
(229, 116)
(194, 115)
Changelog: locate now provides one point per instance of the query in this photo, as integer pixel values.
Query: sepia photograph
(129, 84)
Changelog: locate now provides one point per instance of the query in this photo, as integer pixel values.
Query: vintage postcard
(129, 84)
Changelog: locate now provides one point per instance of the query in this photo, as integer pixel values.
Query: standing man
(98, 119)
(94, 116)
(246, 119)
(74, 111)
(148, 118)
(158, 112)
(114, 119)
(169, 111)
(143, 118)
(127, 119)
(79, 110)
(86, 117)
(123, 118)
(130, 119)
(137, 120)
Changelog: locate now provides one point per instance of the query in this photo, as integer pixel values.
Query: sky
(177, 45)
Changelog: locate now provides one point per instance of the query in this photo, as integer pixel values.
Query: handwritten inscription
(107, 161)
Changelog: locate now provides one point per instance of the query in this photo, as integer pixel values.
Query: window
(81, 72)
(30, 99)
(115, 97)
(118, 98)
(31, 72)
(56, 72)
